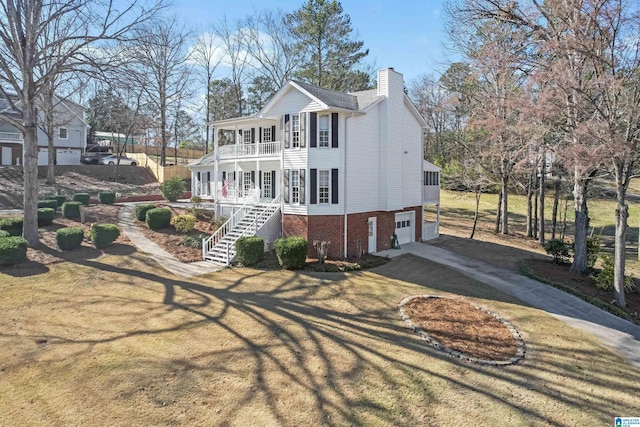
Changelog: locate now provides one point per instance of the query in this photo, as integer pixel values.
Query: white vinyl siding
(324, 186)
(293, 100)
(324, 125)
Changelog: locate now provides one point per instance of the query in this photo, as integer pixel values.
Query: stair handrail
(210, 242)
(256, 224)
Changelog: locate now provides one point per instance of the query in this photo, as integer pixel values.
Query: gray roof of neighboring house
(366, 97)
(332, 98)
(6, 108)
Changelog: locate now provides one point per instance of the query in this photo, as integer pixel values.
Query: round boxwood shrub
(13, 225)
(172, 189)
(141, 210)
(69, 238)
(13, 250)
(48, 203)
(45, 216)
(59, 198)
(4, 233)
(81, 197)
(71, 209)
(184, 223)
(250, 250)
(158, 218)
(291, 252)
(102, 235)
(107, 197)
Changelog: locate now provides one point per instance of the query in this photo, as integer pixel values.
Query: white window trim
(293, 142)
(328, 172)
(328, 115)
(264, 134)
(246, 136)
(291, 187)
(60, 130)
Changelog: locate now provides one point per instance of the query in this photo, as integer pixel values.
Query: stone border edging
(457, 354)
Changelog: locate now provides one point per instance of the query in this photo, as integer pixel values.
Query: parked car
(93, 158)
(112, 160)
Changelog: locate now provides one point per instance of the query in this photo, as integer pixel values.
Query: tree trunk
(505, 206)
(579, 264)
(535, 211)
(51, 157)
(541, 236)
(622, 215)
(556, 198)
(475, 215)
(30, 173)
(529, 208)
(499, 214)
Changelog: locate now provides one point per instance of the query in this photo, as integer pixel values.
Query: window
(323, 187)
(246, 136)
(295, 131)
(295, 186)
(323, 131)
(266, 185)
(431, 178)
(63, 133)
(266, 135)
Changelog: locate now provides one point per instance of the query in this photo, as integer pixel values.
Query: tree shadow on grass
(323, 337)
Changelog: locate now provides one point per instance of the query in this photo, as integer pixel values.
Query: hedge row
(12, 225)
(48, 203)
(13, 250)
(291, 252)
(107, 197)
(81, 197)
(69, 238)
(71, 209)
(45, 216)
(250, 250)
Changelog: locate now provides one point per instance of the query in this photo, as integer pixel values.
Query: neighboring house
(325, 165)
(70, 137)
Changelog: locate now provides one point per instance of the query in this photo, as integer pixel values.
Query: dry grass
(117, 341)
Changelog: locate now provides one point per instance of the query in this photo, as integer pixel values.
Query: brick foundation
(331, 228)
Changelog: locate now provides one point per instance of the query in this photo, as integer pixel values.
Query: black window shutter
(273, 184)
(260, 179)
(313, 186)
(260, 134)
(240, 132)
(313, 130)
(303, 128)
(208, 176)
(199, 178)
(334, 130)
(224, 176)
(285, 186)
(302, 186)
(273, 133)
(334, 186)
(253, 135)
(234, 176)
(286, 131)
(253, 177)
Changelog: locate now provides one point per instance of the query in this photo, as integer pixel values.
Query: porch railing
(11, 136)
(259, 149)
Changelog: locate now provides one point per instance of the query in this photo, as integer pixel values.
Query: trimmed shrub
(13, 225)
(158, 218)
(13, 250)
(558, 249)
(593, 250)
(48, 203)
(172, 189)
(604, 279)
(4, 233)
(291, 252)
(141, 210)
(69, 238)
(71, 209)
(81, 197)
(107, 197)
(45, 216)
(184, 223)
(102, 235)
(60, 198)
(250, 250)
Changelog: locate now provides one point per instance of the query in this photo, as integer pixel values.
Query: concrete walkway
(620, 335)
(127, 223)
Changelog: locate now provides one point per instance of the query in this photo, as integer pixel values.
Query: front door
(6, 156)
(373, 234)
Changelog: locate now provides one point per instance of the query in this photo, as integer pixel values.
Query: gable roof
(207, 159)
(331, 98)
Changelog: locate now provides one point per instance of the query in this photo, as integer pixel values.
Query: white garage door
(405, 226)
(43, 157)
(68, 156)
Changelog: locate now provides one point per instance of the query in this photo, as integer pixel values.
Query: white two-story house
(345, 168)
(70, 137)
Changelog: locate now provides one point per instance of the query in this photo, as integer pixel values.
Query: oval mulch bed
(463, 330)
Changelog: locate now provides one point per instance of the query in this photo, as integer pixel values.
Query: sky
(406, 35)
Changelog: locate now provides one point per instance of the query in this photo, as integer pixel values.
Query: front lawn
(117, 340)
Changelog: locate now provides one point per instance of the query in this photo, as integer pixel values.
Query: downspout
(344, 185)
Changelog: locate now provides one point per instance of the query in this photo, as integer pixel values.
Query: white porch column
(216, 166)
(235, 182)
(257, 183)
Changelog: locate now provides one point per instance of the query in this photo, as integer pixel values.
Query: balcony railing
(11, 136)
(260, 149)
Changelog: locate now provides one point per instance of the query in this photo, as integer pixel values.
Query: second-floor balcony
(259, 149)
(11, 137)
